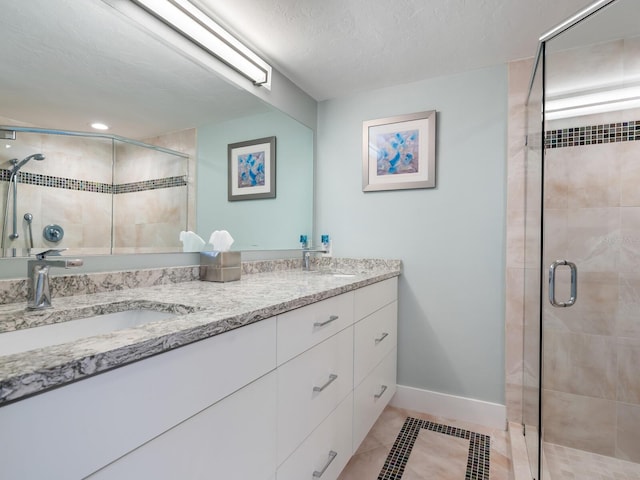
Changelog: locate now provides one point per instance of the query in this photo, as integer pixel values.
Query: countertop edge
(64, 371)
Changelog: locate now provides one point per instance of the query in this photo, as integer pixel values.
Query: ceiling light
(99, 126)
(590, 103)
(199, 28)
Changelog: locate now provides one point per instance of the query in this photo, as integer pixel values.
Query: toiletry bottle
(303, 241)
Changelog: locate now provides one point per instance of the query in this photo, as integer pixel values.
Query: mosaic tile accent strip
(155, 184)
(593, 134)
(479, 449)
(95, 187)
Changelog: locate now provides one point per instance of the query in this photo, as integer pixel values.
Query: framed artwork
(252, 169)
(399, 152)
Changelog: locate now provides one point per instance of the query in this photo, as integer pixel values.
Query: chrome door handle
(552, 283)
(332, 318)
(382, 337)
(332, 456)
(332, 378)
(382, 390)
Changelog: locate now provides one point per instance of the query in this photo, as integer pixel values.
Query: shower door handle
(552, 283)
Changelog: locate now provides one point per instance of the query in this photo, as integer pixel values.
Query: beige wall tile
(628, 438)
(580, 364)
(628, 314)
(592, 175)
(593, 238)
(628, 384)
(564, 422)
(630, 239)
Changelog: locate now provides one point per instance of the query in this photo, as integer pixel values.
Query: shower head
(35, 156)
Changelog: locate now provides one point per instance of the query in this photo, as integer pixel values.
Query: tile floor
(434, 455)
(564, 463)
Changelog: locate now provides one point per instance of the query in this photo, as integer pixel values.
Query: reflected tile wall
(86, 216)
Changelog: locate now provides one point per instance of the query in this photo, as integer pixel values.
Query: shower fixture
(13, 184)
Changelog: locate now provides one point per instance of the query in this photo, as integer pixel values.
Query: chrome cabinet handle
(384, 335)
(332, 457)
(378, 395)
(552, 283)
(332, 318)
(332, 379)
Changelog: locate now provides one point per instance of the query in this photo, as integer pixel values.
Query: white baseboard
(492, 415)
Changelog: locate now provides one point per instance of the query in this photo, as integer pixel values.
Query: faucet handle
(51, 252)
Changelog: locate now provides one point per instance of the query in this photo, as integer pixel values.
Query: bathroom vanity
(277, 376)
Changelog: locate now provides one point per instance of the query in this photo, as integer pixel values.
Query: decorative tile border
(477, 462)
(95, 187)
(593, 134)
(168, 182)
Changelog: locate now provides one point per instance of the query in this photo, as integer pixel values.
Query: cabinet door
(310, 386)
(326, 451)
(231, 440)
(301, 329)
(374, 337)
(76, 429)
(372, 395)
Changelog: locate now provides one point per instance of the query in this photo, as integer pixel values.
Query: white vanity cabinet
(73, 431)
(286, 398)
(375, 353)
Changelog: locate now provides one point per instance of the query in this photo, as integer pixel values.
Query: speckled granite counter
(205, 309)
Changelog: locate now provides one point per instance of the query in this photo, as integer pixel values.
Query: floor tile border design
(477, 461)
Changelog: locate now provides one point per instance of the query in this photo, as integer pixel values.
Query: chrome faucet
(306, 256)
(39, 296)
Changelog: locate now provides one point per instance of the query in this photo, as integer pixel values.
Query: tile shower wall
(591, 392)
(71, 188)
(149, 214)
(80, 194)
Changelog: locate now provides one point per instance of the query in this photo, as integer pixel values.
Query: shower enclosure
(581, 383)
(92, 194)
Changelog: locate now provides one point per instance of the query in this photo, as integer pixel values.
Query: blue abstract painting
(251, 171)
(398, 152)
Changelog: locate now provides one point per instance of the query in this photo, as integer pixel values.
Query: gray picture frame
(251, 169)
(399, 153)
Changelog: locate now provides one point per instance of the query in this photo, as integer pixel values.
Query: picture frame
(252, 169)
(399, 153)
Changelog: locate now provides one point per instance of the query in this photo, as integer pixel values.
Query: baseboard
(488, 414)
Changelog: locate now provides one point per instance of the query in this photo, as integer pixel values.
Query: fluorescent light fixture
(99, 126)
(195, 25)
(591, 103)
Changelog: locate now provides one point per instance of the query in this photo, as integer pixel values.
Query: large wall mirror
(161, 168)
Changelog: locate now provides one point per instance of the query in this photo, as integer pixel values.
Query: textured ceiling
(66, 63)
(332, 48)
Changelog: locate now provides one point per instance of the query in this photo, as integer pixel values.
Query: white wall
(451, 238)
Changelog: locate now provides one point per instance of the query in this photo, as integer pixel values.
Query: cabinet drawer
(76, 429)
(374, 337)
(307, 326)
(316, 454)
(371, 396)
(196, 449)
(375, 296)
(310, 386)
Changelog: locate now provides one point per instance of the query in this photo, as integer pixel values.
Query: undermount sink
(57, 333)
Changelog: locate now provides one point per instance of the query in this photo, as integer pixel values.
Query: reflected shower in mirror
(101, 66)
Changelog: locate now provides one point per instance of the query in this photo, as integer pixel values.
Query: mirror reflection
(68, 67)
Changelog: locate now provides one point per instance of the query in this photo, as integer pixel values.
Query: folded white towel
(191, 242)
(221, 240)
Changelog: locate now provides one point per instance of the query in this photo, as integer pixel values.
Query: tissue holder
(220, 266)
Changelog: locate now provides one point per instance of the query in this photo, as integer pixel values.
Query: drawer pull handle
(332, 456)
(378, 395)
(332, 318)
(384, 335)
(332, 378)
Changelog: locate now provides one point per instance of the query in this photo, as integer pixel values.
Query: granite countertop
(203, 309)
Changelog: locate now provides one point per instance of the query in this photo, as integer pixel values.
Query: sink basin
(55, 334)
